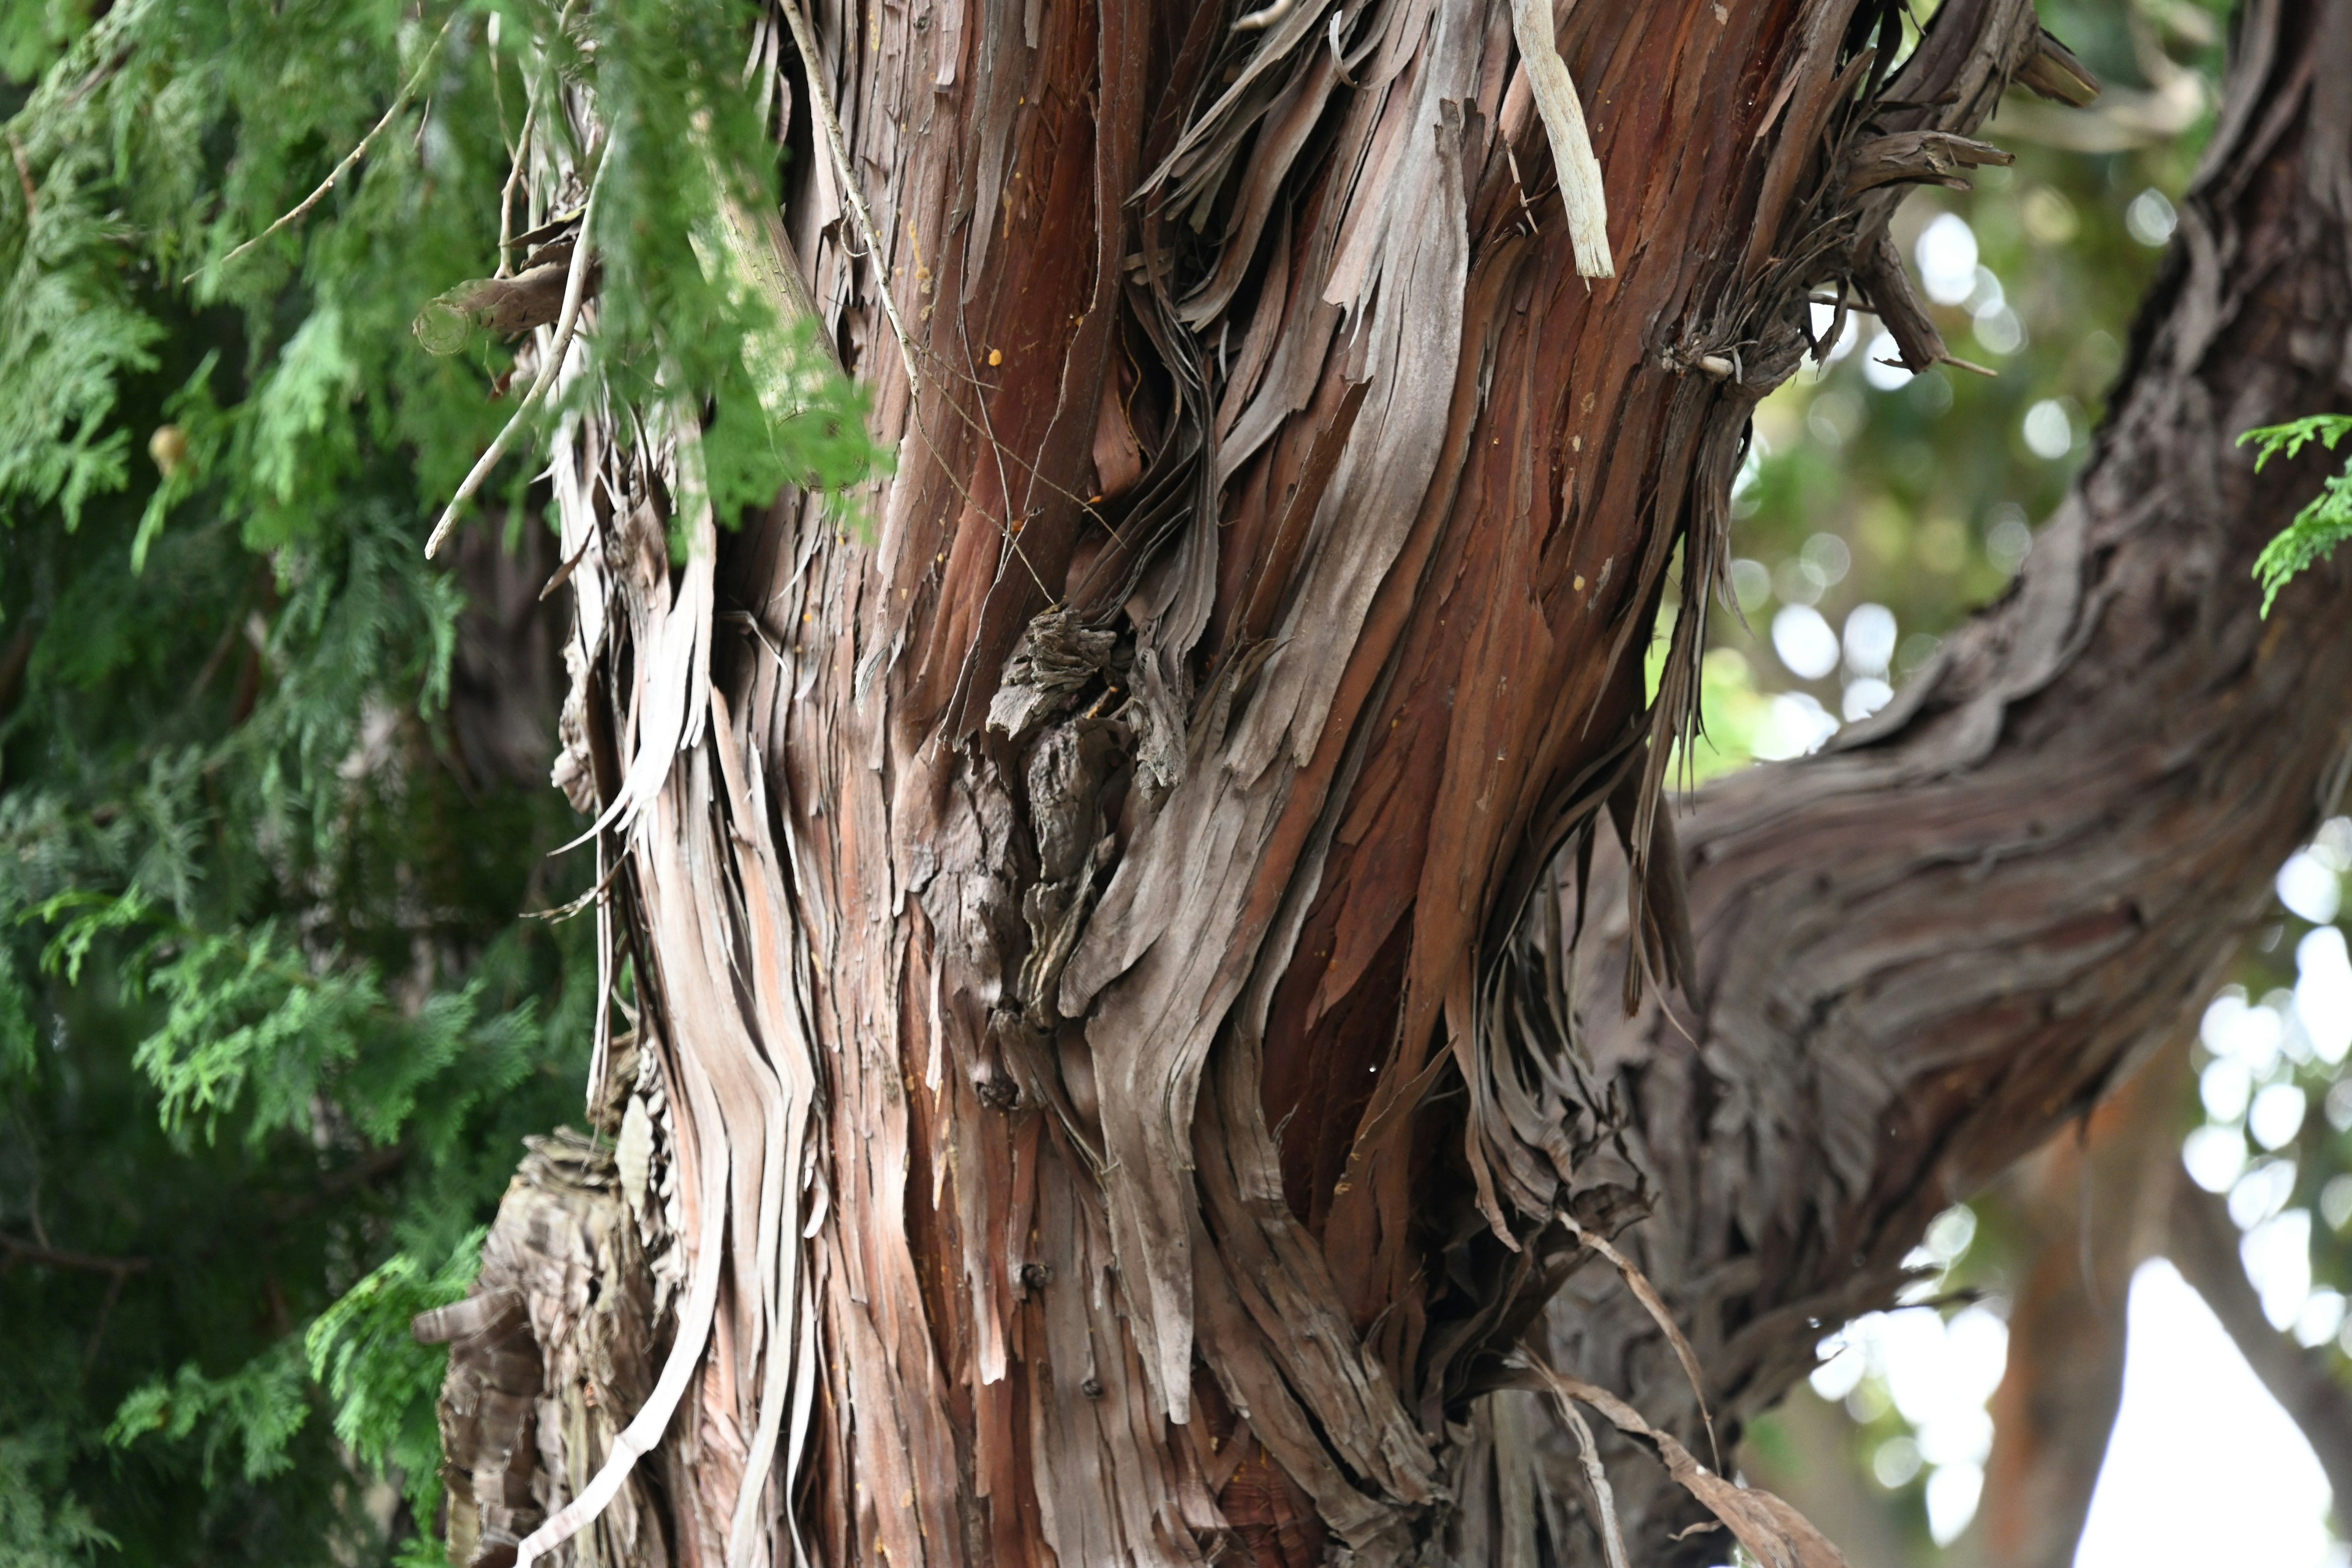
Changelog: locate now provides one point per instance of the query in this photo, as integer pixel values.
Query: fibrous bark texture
(1111, 1080)
(1921, 953)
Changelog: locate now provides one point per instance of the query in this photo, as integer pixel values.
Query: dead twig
(1613, 1539)
(25, 179)
(301, 209)
(21, 1250)
(567, 325)
(1655, 1305)
(1777, 1535)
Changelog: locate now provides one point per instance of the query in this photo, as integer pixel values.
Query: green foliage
(382, 1383)
(1917, 496)
(37, 1530)
(254, 1410)
(2325, 523)
(270, 1027)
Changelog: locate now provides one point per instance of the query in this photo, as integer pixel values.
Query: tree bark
(1922, 952)
(1107, 1077)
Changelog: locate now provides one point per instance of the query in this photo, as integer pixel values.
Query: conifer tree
(1114, 912)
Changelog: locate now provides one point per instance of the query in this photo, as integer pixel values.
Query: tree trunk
(1922, 952)
(2091, 1209)
(2203, 1242)
(1105, 1080)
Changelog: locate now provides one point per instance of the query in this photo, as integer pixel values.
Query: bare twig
(1775, 1532)
(821, 104)
(80, 1262)
(1613, 1539)
(506, 192)
(301, 209)
(25, 179)
(566, 326)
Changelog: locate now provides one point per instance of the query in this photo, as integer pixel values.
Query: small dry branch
(1777, 1534)
(301, 209)
(1571, 145)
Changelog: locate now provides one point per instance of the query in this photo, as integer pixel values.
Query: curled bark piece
(1571, 147)
(548, 1359)
(1918, 157)
(694, 1326)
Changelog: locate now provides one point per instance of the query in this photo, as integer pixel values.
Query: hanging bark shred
(1110, 1032)
(1777, 1534)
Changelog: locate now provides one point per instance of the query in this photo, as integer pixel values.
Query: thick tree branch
(1921, 953)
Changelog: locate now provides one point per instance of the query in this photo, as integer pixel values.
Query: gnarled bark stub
(1112, 1077)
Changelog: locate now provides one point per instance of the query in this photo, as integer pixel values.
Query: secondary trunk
(1105, 1085)
(1924, 952)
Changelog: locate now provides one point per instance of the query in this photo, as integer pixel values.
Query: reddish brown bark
(1103, 1102)
(1389, 494)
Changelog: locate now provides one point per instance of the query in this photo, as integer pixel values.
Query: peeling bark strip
(1922, 953)
(1117, 1077)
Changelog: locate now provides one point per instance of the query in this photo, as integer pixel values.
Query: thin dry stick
(25, 178)
(506, 192)
(301, 209)
(575, 288)
(1613, 1539)
(1571, 144)
(821, 103)
(1655, 1305)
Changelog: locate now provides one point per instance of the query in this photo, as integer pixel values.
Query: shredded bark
(1122, 1037)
